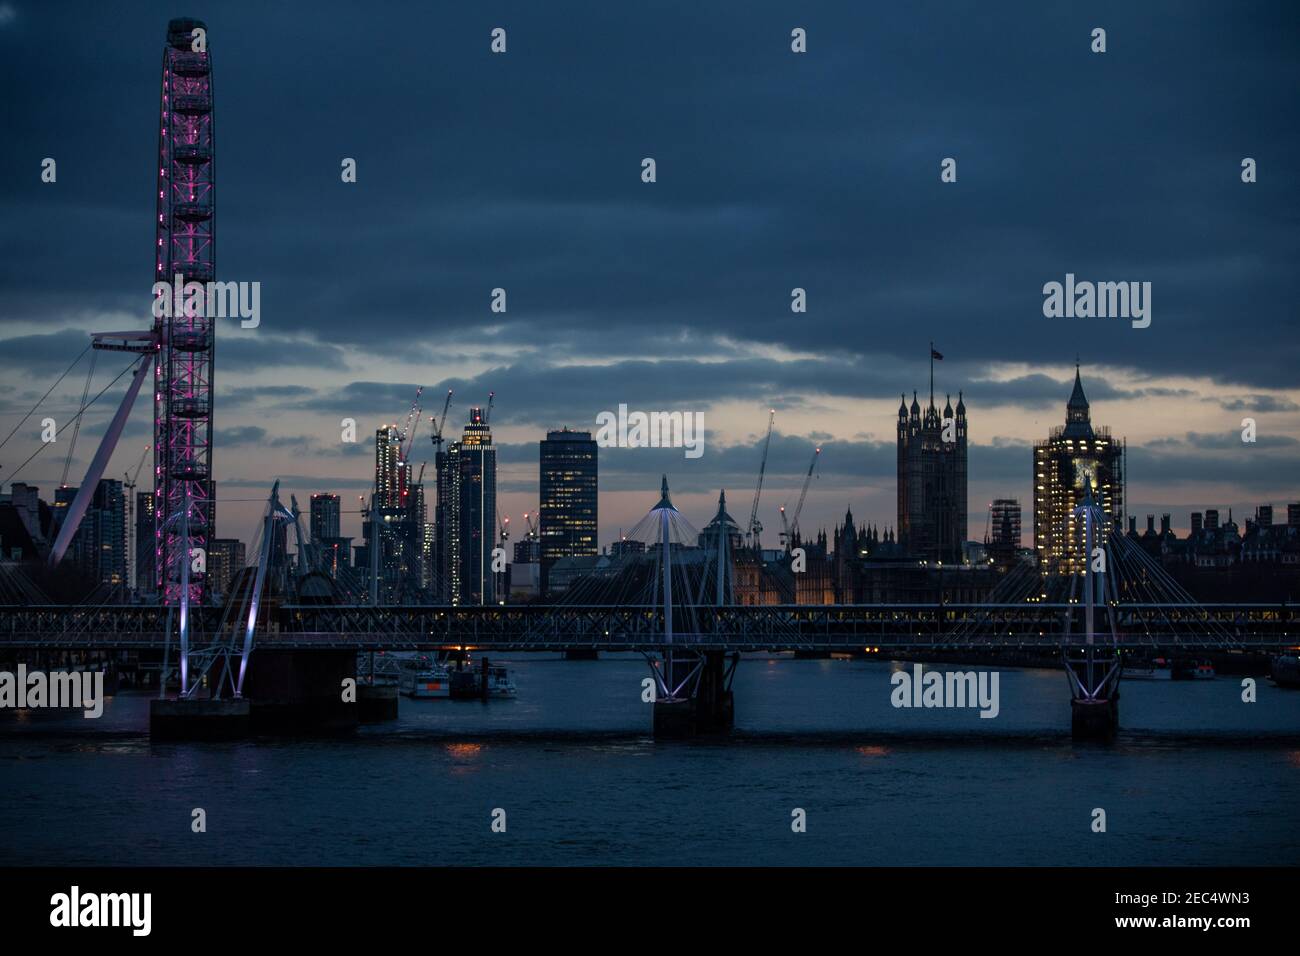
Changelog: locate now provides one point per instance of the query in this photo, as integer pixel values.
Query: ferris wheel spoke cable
(77, 417)
(45, 396)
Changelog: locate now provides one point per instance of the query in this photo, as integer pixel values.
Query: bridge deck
(1261, 627)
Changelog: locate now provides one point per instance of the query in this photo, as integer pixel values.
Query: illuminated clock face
(1085, 473)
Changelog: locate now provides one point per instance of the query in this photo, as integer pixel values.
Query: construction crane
(438, 423)
(413, 425)
(803, 494)
(487, 416)
(404, 445)
(503, 523)
(132, 478)
(129, 485)
(531, 536)
(755, 529)
(407, 430)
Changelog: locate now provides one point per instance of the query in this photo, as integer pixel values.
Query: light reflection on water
(873, 751)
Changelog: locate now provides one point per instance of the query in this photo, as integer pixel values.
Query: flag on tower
(935, 355)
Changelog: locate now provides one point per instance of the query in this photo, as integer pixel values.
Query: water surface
(1196, 777)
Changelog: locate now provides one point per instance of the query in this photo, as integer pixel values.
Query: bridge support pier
(302, 691)
(1094, 719)
(199, 719)
(376, 702)
(296, 692)
(1094, 675)
(699, 698)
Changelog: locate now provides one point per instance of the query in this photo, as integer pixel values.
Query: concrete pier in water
(1095, 719)
(189, 719)
(298, 692)
(709, 707)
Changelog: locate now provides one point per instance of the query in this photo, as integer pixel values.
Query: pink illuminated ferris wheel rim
(185, 247)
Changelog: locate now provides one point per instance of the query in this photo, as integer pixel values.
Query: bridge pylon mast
(1094, 672)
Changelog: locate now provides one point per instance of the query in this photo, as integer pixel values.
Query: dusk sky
(774, 171)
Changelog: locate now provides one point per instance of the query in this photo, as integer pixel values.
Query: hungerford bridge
(273, 644)
(640, 628)
(299, 653)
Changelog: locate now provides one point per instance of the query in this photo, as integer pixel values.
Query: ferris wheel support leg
(77, 510)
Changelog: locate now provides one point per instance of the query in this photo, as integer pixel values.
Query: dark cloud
(242, 435)
(547, 396)
(254, 350)
(1259, 403)
(263, 396)
(1246, 471)
(43, 353)
(775, 171)
(1223, 441)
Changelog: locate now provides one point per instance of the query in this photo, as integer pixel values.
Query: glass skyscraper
(568, 484)
(467, 515)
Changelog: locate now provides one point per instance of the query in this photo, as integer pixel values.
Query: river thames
(1196, 777)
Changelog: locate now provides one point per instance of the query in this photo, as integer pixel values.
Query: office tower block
(568, 487)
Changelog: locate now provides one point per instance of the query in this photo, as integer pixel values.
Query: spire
(916, 406)
(1078, 418)
(664, 500)
(722, 519)
(902, 406)
(1077, 398)
(961, 406)
(947, 407)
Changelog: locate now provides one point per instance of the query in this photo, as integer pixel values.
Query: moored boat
(490, 680)
(1156, 669)
(1191, 669)
(500, 683)
(421, 678)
